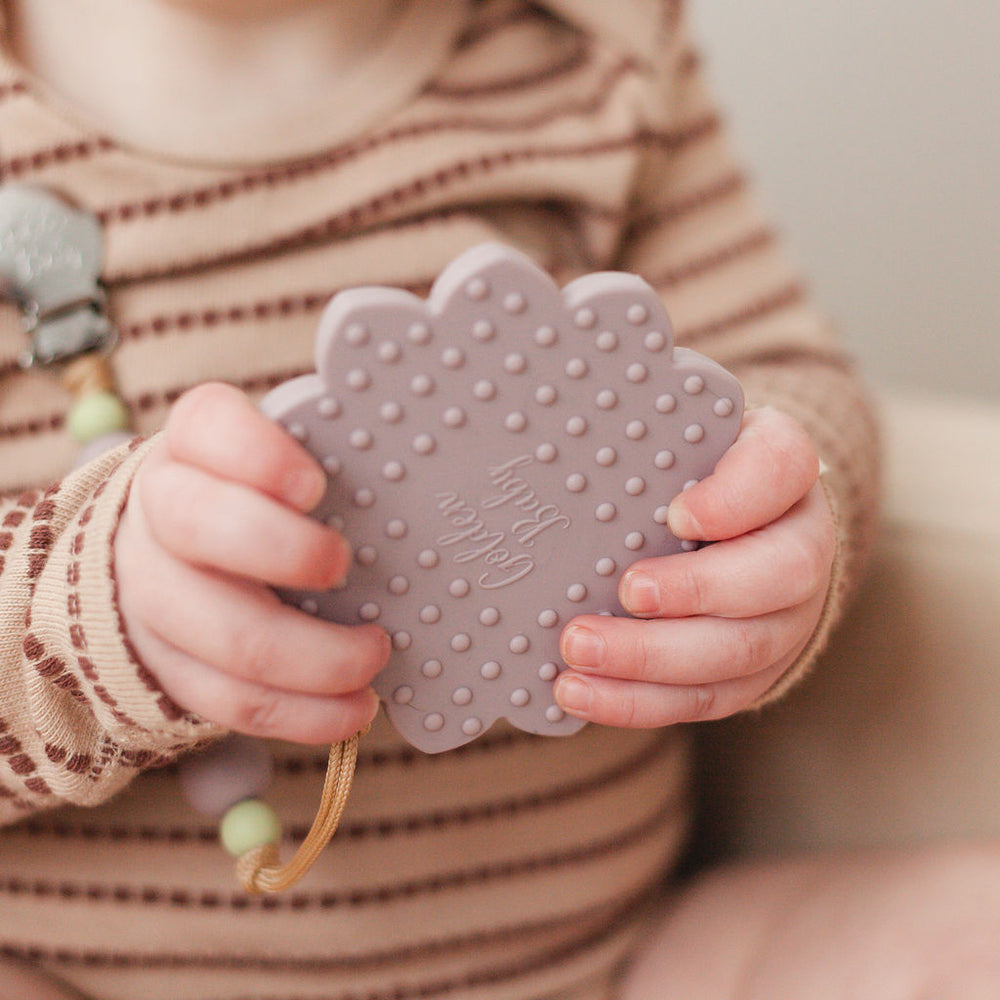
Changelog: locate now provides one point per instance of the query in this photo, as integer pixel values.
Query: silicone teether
(497, 456)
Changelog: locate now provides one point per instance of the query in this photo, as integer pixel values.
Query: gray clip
(51, 256)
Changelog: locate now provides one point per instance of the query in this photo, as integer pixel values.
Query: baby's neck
(202, 79)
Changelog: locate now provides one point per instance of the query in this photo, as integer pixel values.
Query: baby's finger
(226, 526)
(246, 632)
(769, 468)
(257, 709)
(699, 650)
(217, 428)
(613, 702)
(780, 566)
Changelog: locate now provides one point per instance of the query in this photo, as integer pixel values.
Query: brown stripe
(199, 198)
(64, 153)
(368, 213)
(461, 878)
(404, 825)
(14, 89)
(789, 295)
(697, 267)
(615, 915)
(731, 184)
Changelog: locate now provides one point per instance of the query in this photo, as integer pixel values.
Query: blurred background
(873, 132)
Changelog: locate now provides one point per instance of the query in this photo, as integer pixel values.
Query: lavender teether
(497, 456)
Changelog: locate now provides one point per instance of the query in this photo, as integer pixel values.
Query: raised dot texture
(424, 444)
(546, 453)
(607, 399)
(576, 592)
(489, 616)
(605, 566)
(634, 541)
(635, 430)
(398, 585)
(434, 722)
(396, 528)
(394, 471)
(548, 672)
(576, 426)
(693, 433)
(462, 696)
(484, 390)
(636, 373)
(453, 358)
(427, 559)
(605, 512)
(332, 464)
(477, 289)
(546, 395)
(520, 697)
(459, 588)
(546, 336)
(483, 330)
(432, 668)
(361, 439)
(688, 545)
(403, 695)
(637, 314)
(402, 639)
(576, 368)
(515, 363)
(329, 408)
(430, 614)
(389, 352)
(693, 385)
(454, 417)
(664, 459)
(422, 385)
(490, 670)
(660, 515)
(364, 498)
(548, 618)
(310, 606)
(585, 318)
(391, 412)
(366, 556)
(723, 407)
(356, 335)
(298, 431)
(514, 303)
(515, 422)
(554, 714)
(472, 726)
(654, 341)
(519, 644)
(461, 642)
(666, 403)
(358, 379)
(576, 482)
(369, 611)
(419, 334)
(606, 456)
(635, 486)
(607, 341)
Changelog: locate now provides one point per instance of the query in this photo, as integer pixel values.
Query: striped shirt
(515, 867)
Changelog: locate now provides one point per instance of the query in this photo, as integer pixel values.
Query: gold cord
(260, 870)
(88, 373)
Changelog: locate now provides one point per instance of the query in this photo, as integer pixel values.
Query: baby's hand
(216, 516)
(723, 623)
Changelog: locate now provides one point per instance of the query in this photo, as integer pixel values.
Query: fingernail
(343, 560)
(573, 694)
(682, 523)
(583, 648)
(642, 596)
(304, 488)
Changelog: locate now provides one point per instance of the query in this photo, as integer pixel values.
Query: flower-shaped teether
(497, 456)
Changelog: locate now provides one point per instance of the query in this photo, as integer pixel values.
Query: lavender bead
(238, 767)
(97, 447)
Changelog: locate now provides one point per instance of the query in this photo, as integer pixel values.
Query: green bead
(249, 824)
(95, 414)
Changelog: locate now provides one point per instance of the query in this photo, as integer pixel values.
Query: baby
(245, 160)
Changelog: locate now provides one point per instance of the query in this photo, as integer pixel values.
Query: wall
(873, 131)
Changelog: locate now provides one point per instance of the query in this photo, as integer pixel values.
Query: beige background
(873, 131)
